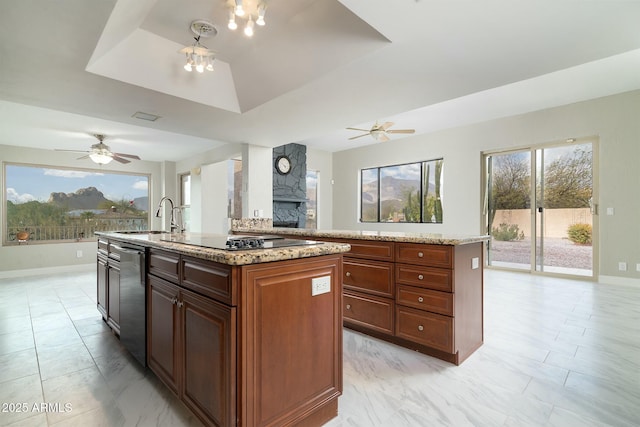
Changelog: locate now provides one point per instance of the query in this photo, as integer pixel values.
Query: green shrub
(580, 233)
(507, 232)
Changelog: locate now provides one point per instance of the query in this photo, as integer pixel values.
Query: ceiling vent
(146, 116)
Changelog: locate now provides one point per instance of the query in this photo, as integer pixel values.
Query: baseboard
(616, 280)
(47, 270)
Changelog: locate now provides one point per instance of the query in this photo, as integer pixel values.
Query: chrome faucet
(173, 224)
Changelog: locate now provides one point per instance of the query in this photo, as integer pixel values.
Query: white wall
(614, 120)
(53, 257)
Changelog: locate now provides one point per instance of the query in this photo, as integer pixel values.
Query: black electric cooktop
(238, 243)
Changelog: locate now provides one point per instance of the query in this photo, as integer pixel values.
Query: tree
(568, 180)
(510, 183)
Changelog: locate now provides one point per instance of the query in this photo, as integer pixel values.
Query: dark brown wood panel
(368, 311)
(424, 277)
(164, 264)
(293, 346)
(370, 276)
(369, 249)
(113, 309)
(430, 329)
(209, 355)
(429, 255)
(162, 330)
(425, 299)
(208, 278)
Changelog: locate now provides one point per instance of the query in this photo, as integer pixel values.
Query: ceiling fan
(101, 154)
(380, 132)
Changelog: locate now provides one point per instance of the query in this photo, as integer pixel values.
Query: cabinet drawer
(430, 329)
(208, 278)
(424, 277)
(369, 249)
(370, 276)
(103, 246)
(429, 255)
(164, 264)
(368, 311)
(425, 299)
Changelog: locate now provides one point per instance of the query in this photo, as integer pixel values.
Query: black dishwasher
(133, 313)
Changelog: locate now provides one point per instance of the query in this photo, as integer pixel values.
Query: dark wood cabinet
(108, 278)
(102, 285)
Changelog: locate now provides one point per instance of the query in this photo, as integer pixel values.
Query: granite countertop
(385, 236)
(237, 257)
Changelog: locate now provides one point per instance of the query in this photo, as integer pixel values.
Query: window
(410, 192)
(185, 190)
(312, 199)
(47, 204)
(234, 189)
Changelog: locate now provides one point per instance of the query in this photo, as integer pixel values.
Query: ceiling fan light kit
(101, 153)
(380, 132)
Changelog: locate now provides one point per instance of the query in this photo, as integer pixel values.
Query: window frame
(423, 193)
(4, 209)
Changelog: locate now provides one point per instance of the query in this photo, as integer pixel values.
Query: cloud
(141, 185)
(63, 173)
(13, 196)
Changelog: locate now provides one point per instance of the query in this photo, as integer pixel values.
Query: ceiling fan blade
(72, 151)
(362, 130)
(131, 156)
(382, 137)
(401, 131)
(83, 157)
(359, 136)
(120, 159)
(385, 126)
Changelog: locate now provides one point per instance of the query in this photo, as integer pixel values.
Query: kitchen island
(421, 291)
(244, 337)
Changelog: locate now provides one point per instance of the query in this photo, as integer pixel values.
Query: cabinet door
(113, 279)
(162, 330)
(209, 354)
(102, 286)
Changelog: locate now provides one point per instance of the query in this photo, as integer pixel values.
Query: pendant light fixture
(197, 55)
(252, 11)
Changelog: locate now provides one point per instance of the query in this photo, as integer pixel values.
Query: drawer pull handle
(420, 277)
(180, 304)
(420, 254)
(348, 274)
(348, 306)
(174, 300)
(420, 328)
(420, 299)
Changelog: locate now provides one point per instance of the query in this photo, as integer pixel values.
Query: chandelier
(252, 11)
(197, 55)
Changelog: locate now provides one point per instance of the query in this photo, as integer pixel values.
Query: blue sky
(24, 183)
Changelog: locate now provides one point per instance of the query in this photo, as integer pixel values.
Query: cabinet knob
(348, 274)
(420, 328)
(420, 277)
(348, 306)
(420, 254)
(420, 299)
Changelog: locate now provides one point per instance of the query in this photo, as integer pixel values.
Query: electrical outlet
(610, 211)
(637, 267)
(78, 254)
(320, 285)
(622, 266)
(475, 263)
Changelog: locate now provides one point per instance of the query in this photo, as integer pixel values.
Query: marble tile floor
(557, 352)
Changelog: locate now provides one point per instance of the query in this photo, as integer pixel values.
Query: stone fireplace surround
(290, 191)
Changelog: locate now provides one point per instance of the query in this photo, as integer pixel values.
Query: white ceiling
(71, 68)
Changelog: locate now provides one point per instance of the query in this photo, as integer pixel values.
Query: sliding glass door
(539, 209)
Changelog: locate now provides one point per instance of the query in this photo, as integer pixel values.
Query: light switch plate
(610, 211)
(320, 285)
(622, 266)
